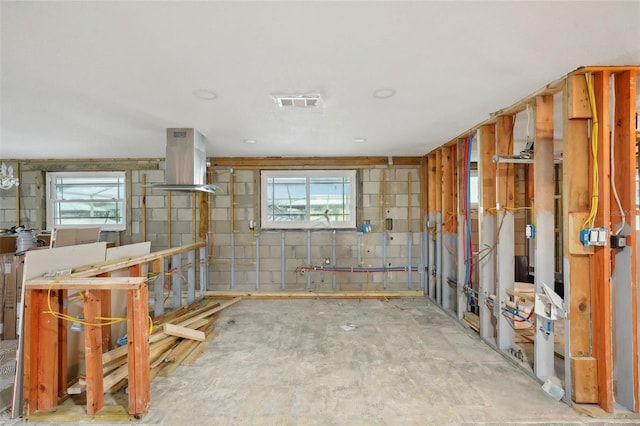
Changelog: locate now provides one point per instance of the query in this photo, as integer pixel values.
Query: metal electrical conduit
(330, 268)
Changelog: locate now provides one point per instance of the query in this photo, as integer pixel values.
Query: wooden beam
(95, 283)
(93, 353)
(112, 265)
(86, 165)
(311, 295)
(310, 162)
(601, 264)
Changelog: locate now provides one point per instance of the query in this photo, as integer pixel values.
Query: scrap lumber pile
(179, 339)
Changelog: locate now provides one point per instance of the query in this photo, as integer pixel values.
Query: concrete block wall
(235, 259)
(33, 215)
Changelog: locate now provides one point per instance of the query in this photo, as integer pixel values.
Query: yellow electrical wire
(65, 317)
(594, 152)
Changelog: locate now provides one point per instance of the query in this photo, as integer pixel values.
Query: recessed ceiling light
(205, 94)
(359, 140)
(384, 93)
(250, 141)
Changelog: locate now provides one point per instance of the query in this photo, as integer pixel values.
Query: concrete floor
(404, 362)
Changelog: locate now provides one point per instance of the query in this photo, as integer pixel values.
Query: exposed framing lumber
(505, 251)
(487, 227)
(85, 166)
(93, 353)
(112, 265)
(449, 220)
(95, 283)
(313, 162)
(267, 295)
(624, 297)
(543, 165)
(184, 332)
(577, 263)
(601, 264)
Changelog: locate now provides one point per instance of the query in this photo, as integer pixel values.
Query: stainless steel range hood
(186, 163)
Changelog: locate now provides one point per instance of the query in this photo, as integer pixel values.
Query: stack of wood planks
(179, 339)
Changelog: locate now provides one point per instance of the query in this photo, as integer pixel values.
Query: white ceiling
(105, 79)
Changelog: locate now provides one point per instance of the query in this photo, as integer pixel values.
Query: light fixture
(384, 93)
(205, 94)
(250, 141)
(359, 140)
(7, 180)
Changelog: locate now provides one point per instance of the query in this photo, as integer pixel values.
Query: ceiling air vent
(297, 101)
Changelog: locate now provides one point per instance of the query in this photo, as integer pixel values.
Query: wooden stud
(576, 203)
(584, 380)
(105, 308)
(505, 250)
(601, 264)
(47, 351)
(543, 164)
(138, 342)
(424, 191)
(626, 304)
(93, 352)
(32, 314)
(487, 227)
(62, 343)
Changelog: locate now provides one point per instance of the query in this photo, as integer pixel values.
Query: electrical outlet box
(594, 236)
(530, 232)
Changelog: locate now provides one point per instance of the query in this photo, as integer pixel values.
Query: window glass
(76, 199)
(312, 199)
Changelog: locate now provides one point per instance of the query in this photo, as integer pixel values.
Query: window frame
(265, 223)
(52, 199)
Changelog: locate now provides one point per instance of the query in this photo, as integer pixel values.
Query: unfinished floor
(349, 362)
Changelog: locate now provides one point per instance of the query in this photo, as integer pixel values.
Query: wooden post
(93, 352)
(487, 228)
(424, 192)
(601, 265)
(544, 191)
(576, 201)
(138, 362)
(505, 251)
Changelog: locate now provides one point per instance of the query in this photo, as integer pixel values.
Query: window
(308, 199)
(76, 199)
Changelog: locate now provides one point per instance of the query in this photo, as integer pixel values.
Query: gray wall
(238, 270)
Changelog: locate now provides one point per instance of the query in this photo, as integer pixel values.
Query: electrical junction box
(530, 232)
